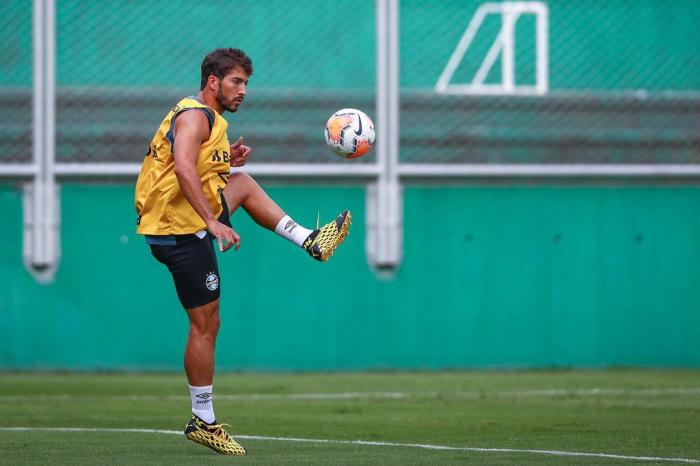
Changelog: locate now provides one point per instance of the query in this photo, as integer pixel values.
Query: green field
(563, 417)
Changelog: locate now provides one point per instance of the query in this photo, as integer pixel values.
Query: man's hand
(239, 153)
(226, 236)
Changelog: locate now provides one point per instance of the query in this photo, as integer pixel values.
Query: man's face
(231, 91)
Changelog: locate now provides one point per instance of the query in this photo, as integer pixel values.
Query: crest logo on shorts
(212, 281)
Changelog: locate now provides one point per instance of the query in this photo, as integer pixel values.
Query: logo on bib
(212, 281)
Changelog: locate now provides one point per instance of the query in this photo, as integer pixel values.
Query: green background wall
(500, 275)
(519, 276)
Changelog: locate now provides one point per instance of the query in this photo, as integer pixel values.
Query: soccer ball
(349, 133)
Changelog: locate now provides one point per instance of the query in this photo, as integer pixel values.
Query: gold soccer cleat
(213, 436)
(321, 244)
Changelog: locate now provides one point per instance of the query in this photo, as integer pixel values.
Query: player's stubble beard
(221, 98)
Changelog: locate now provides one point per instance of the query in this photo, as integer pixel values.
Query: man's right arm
(191, 129)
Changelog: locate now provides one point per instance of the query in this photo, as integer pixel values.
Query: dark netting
(623, 84)
(123, 65)
(15, 81)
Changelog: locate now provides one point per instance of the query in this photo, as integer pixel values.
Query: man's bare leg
(199, 367)
(201, 342)
(199, 357)
(242, 190)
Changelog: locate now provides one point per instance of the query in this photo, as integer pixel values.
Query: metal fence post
(384, 211)
(41, 199)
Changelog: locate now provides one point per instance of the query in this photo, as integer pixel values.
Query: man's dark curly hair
(221, 61)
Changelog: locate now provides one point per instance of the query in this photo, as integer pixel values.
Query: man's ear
(212, 82)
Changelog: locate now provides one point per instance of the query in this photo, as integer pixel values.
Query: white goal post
(504, 44)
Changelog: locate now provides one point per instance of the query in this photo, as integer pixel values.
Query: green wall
(528, 276)
(493, 276)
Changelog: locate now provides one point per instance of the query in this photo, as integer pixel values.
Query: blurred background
(532, 201)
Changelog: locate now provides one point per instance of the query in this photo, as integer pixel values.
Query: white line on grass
(602, 392)
(230, 397)
(544, 393)
(363, 442)
(312, 396)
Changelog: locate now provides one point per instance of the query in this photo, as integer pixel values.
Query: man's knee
(215, 324)
(241, 178)
(240, 185)
(206, 331)
(204, 320)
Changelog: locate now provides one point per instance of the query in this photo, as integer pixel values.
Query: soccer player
(184, 197)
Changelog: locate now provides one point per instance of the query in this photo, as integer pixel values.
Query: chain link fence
(15, 81)
(121, 65)
(622, 84)
(622, 79)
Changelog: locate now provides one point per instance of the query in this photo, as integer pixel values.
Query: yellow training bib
(160, 204)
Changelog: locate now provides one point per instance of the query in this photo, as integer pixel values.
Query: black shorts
(192, 263)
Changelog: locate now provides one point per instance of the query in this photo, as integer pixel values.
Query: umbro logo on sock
(290, 226)
(205, 398)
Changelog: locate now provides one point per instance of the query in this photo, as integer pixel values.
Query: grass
(631, 413)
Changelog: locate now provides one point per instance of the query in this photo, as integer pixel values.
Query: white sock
(291, 230)
(203, 403)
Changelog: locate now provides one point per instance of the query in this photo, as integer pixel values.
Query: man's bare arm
(191, 129)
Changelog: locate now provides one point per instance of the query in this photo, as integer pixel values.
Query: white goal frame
(504, 44)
